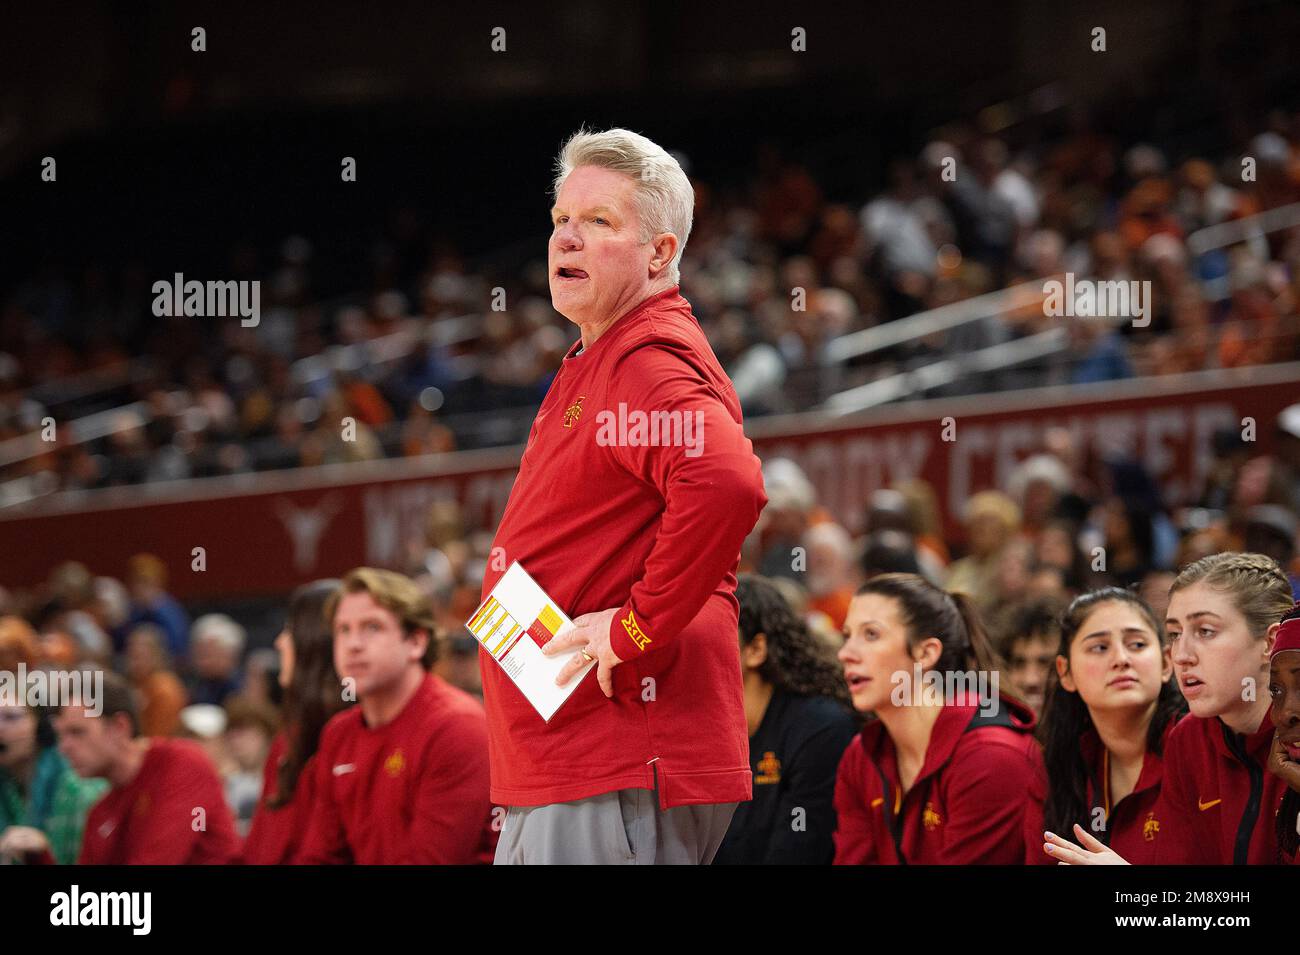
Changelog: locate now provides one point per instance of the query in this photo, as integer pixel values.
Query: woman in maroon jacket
(938, 777)
(1218, 802)
(1108, 713)
(312, 695)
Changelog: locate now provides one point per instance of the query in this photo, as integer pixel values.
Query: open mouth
(1192, 685)
(571, 274)
(858, 682)
(1292, 750)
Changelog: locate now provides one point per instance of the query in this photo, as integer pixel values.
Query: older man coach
(636, 532)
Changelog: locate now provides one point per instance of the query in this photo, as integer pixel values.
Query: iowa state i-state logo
(572, 412)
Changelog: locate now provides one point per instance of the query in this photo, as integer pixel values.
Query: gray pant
(626, 827)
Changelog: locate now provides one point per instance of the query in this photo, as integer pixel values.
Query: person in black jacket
(800, 723)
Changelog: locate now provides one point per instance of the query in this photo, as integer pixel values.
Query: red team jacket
(1218, 804)
(414, 791)
(604, 515)
(967, 805)
(1132, 824)
(276, 834)
(152, 820)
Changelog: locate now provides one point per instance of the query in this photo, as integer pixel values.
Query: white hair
(787, 487)
(1040, 467)
(221, 629)
(665, 199)
(831, 535)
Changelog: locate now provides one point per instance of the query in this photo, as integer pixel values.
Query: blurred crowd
(422, 362)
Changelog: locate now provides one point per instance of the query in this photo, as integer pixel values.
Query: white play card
(513, 624)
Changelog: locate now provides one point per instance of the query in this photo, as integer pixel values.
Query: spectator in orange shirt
(365, 401)
(830, 564)
(1145, 212)
(18, 644)
(162, 695)
(425, 434)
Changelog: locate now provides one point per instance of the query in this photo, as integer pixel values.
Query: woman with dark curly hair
(796, 703)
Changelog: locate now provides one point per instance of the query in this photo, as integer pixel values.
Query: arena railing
(992, 305)
(100, 424)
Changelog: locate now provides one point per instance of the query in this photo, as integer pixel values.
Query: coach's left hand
(591, 633)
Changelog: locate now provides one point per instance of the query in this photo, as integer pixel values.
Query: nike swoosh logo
(1207, 805)
(344, 768)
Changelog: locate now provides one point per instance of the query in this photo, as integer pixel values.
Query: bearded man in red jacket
(636, 489)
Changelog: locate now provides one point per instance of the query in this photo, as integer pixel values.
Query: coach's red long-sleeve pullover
(605, 514)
